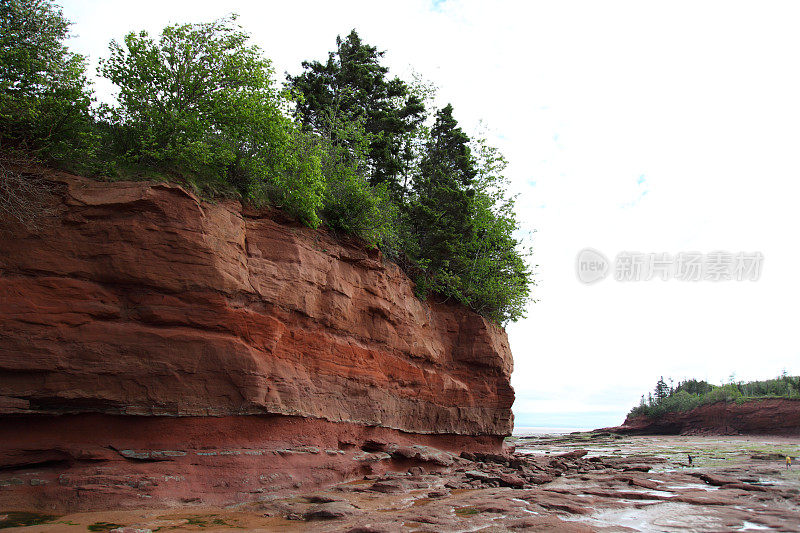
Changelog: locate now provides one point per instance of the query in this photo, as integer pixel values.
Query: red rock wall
(92, 462)
(756, 417)
(139, 300)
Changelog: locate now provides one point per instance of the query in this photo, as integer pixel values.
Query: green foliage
(199, 103)
(103, 526)
(695, 387)
(356, 150)
(44, 96)
(289, 175)
(679, 401)
(693, 393)
(435, 205)
(462, 224)
(724, 393)
(499, 277)
(351, 205)
(781, 387)
(443, 199)
(23, 519)
(661, 390)
(352, 87)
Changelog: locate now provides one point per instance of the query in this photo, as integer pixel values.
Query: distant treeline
(693, 393)
(342, 144)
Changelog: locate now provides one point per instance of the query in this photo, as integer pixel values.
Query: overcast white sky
(629, 126)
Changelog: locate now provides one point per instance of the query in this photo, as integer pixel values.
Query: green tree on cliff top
(462, 223)
(661, 390)
(200, 103)
(353, 86)
(197, 105)
(444, 192)
(44, 96)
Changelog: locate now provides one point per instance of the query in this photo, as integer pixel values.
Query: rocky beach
(580, 482)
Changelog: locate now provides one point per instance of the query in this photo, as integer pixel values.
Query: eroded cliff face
(139, 313)
(755, 417)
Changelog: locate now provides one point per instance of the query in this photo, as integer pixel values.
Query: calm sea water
(537, 431)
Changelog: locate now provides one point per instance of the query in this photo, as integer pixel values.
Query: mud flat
(578, 482)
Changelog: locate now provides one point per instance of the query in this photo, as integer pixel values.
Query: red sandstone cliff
(154, 334)
(760, 417)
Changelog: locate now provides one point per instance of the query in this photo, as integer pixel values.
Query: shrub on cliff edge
(200, 103)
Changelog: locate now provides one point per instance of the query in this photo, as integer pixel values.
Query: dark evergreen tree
(352, 87)
(443, 194)
(662, 390)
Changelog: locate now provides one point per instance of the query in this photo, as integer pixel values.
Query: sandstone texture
(774, 416)
(151, 321)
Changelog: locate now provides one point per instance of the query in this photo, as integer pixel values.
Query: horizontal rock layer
(144, 304)
(140, 299)
(93, 461)
(755, 417)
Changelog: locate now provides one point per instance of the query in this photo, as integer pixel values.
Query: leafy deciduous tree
(44, 96)
(200, 103)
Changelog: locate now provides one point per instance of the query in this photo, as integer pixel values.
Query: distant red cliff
(156, 348)
(772, 416)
